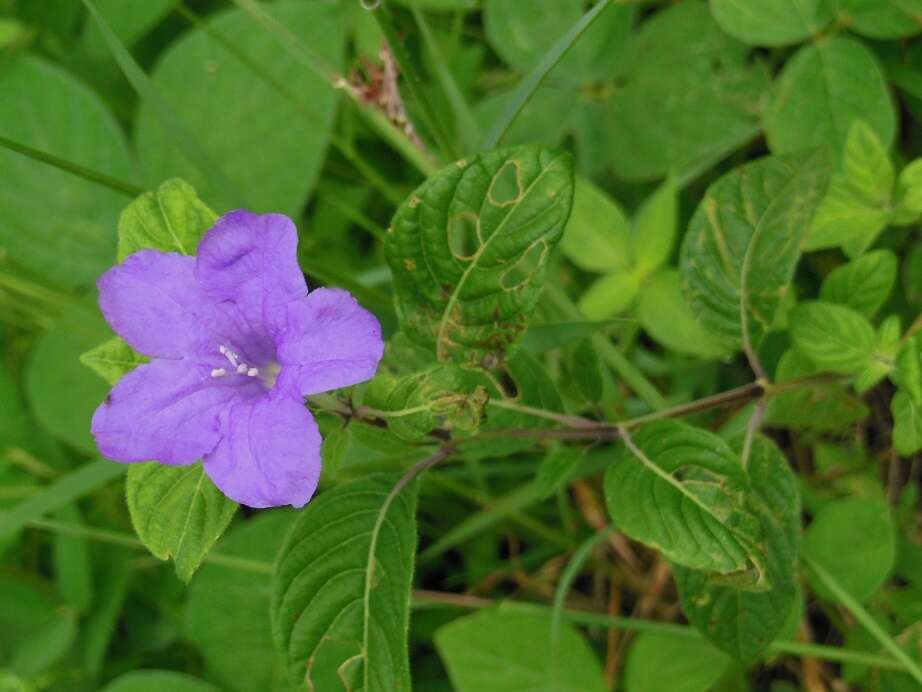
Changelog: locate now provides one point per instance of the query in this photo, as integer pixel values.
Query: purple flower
(237, 342)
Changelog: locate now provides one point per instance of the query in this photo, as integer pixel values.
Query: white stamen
(242, 368)
(230, 355)
(218, 372)
(252, 372)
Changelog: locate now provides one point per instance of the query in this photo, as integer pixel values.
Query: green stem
(530, 83)
(433, 599)
(128, 541)
(413, 80)
(73, 168)
(864, 617)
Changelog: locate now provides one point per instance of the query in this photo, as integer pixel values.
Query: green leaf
(171, 219)
(772, 22)
(686, 97)
(340, 604)
(908, 372)
(177, 512)
(744, 622)
(882, 19)
(73, 572)
(469, 249)
(665, 315)
(909, 188)
(864, 284)
(822, 90)
(597, 236)
(586, 368)
(56, 224)
(858, 204)
(227, 608)
(470, 648)
(866, 165)
(654, 229)
(236, 116)
(907, 423)
(609, 296)
(696, 484)
(833, 337)
(743, 243)
(156, 681)
(855, 541)
(674, 662)
(63, 393)
(826, 407)
(112, 359)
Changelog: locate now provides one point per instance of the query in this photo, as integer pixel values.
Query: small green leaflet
(469, 646)
(341, 598)
(907, 423)
(739, 621)
(112, 359)
(683, 492)
(172, 219)
(743, 243)
(833, 337)
(177, 512)
(772, 22)
(469, 250)
(855, 541)
(864, 284)
(822, 90)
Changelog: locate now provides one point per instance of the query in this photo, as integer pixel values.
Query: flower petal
(269, 455)
(330, 341)
(248, 262)
(153, 300)
(166, 410)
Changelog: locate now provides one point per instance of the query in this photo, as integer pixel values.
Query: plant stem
(373, 117)
(864, 617)
(413, 80)
(124, 188)
(428, 599)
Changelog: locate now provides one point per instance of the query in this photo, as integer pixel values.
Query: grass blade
(60, 493)
(530, 83)
(72, 168)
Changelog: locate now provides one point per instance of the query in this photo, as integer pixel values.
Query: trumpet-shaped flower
(236, 342)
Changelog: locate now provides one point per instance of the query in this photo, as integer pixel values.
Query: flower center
(267, 374)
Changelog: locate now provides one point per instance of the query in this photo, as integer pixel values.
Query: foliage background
(742, 251)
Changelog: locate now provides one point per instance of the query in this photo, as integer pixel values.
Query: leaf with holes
(340, 604)
(683, 491)
(739, 621)
(172, 219)
(743, 243)
(469, 250)
(443, 396)
(177, 512)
